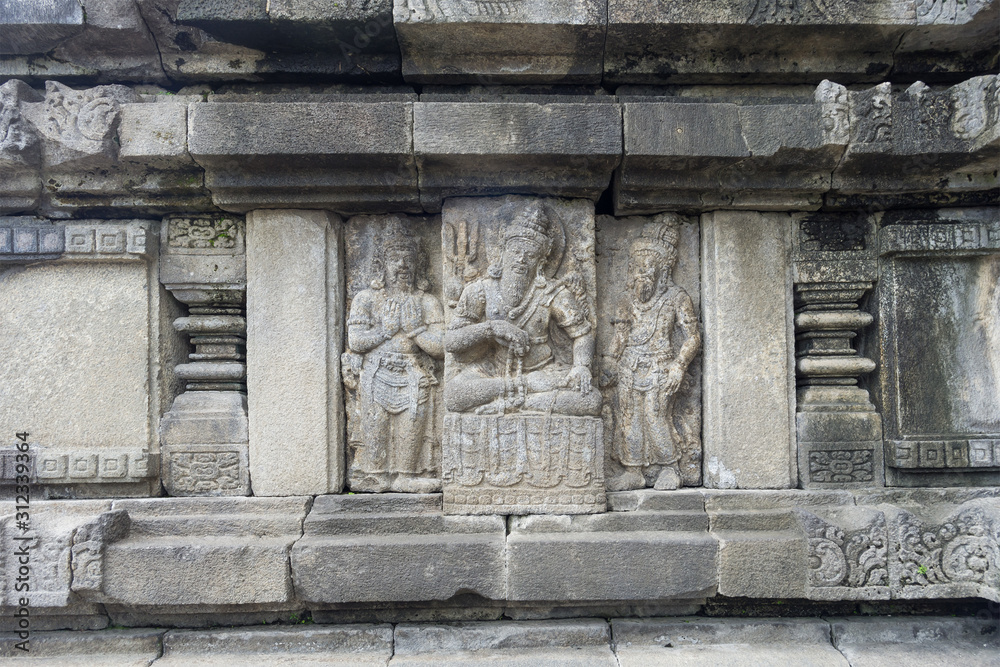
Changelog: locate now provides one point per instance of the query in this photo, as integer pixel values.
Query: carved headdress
(659, 237)
(533, 221)
(398, 235)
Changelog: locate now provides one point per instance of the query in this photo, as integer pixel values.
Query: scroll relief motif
(392, 367)
(522, 431)
(963, 550)
(651, 383)
(852, 558)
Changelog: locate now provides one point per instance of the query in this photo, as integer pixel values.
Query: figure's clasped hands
(510, 336)
(391, 323)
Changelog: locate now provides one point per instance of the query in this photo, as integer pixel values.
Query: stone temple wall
(470, 309)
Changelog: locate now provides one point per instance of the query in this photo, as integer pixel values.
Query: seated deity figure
(651, 366)
(394, 332)
(523, 340)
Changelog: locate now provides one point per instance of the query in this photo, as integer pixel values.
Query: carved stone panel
(522, 432)
(940, 380)
(649, 347)
(392, 365)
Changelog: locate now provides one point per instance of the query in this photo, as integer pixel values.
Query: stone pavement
(855, 642)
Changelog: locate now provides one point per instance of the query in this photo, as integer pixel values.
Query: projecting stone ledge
(352, 156)
(880, 146)
(563, 146)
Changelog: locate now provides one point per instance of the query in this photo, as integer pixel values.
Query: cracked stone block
(397, 547)
(660, 551)
(347, 156)
(933, 641)
(514, 643)
(501, 41)
(205, 551)
(545, 147)
(362, 645)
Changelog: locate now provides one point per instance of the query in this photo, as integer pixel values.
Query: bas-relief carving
(522, 433)
(392, 368)
(962, 550)
(652, 386)
(853, 558)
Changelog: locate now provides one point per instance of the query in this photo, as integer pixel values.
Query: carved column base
(839, 449)
(205, 445)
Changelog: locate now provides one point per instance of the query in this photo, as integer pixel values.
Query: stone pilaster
(204, 436)
(838, 429)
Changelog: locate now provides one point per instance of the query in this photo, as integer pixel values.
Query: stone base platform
(201, 562)
(694, 641)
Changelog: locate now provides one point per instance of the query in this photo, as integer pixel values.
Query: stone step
(628, 642)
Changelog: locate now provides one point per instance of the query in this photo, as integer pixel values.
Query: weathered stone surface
(523, 643)
(867, 642)
(700, 641)
(349, 156)
(35, 27)
(285, 37)
(848, 553)
(549, 147)
(393, 363)
(764, 41)
(933, 425)
(116, 44)
(194, 552)
(115, 648)
(522, 432)
(155, 134)
(508, 41)
(396, 547)
(20, 149)
(701, 155)
(363, 645)
(49, 572)
(89, 416)
(663, 552)
(294, 332)
(648, 337)
(748, 396)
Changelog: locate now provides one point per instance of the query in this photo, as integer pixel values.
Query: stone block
(348, 156)
(762, 563)
(868, 642)
(362, 645)
(116, 44)
(36, 27)
(191, 552)
(294, 334)
(396, 547)
(508, 41)
(700, 641)
(765, 42)
(555, 146)
(749, 397)
(692, 155)
(515, 643)
(155, 134)
(114, 648)
(660, 553)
